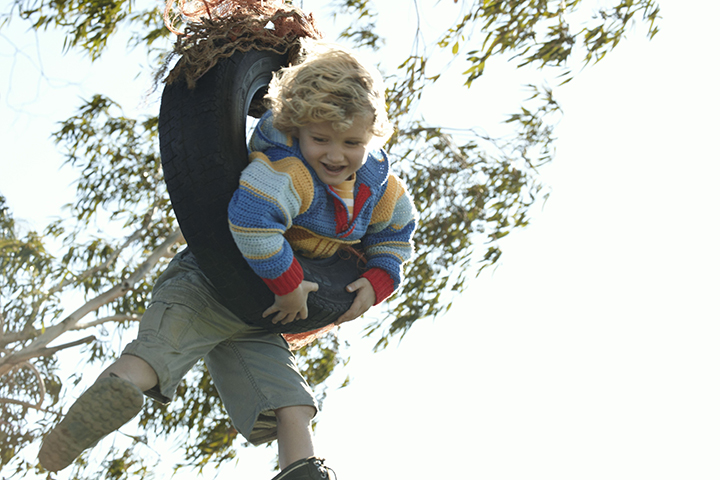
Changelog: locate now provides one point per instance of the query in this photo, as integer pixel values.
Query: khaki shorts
(254, 371)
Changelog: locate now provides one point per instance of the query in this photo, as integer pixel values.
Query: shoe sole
(106, 406)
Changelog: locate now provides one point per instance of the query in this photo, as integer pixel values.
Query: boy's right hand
(292, 306)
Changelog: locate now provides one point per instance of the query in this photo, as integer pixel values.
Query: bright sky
(590, 352)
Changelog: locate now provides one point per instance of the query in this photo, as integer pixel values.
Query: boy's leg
(173, 335)
(267, 398)
(295, 445)
(112, 401)
(294, 432)
(312, 468)
(133, 369)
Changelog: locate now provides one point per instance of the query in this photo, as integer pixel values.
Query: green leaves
(610, 25)
(543, 33)
(117, 158)
(25, 304)
(27, 269)
(363, 33)
(90, 24)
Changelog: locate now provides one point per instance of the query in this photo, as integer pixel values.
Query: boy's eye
(318, 139)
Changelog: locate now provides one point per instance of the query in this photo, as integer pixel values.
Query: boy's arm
(388, 241)
(261, 210)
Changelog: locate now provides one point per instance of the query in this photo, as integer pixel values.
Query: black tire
(203, 149)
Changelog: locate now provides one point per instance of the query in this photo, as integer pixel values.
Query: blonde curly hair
(328, 84)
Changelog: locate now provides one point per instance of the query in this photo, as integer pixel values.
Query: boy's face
(335, 156)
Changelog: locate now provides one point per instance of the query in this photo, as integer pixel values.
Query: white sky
(590, 352)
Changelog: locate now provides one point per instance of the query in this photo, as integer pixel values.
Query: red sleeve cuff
(288, 281)
(381, 282)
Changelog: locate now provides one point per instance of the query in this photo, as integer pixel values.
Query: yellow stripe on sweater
(372, 251)
(262, 257)
(313, 245)
(271, 231)
(384, 209)
(300, 176)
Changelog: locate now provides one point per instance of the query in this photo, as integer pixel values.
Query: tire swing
(204, 149)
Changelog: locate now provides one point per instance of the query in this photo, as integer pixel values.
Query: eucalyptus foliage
(471, 190)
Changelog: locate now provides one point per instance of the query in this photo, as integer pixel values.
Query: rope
(208, 30)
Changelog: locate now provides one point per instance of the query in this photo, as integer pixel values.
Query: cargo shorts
(253, 370)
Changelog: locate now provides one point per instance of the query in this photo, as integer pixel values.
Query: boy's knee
(133, 369)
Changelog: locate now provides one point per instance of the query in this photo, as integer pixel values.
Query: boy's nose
(334, 154)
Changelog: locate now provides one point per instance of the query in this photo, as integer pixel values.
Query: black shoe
(104, 407)
(309, 469)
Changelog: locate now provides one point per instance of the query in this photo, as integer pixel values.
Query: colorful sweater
(281, 206)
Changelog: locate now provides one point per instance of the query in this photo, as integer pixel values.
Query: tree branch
(42, 339)
(136, 235)
(27, 353)
(111, 318)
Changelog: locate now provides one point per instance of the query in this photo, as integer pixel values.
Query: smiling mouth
(333, 168)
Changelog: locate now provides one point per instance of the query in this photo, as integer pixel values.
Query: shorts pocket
(168, 321)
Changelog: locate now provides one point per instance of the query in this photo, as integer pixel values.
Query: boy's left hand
(364, 299)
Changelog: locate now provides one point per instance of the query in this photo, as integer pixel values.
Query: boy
(318, 182)
(320, 185)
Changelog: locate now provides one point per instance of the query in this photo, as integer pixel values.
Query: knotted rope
(208, 30)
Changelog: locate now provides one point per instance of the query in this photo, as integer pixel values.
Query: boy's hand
(292, 306)
(364, 299)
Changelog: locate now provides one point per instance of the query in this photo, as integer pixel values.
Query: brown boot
(107, 405)
(309, 469)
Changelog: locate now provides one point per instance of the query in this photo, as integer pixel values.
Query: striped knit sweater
(281, 206)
